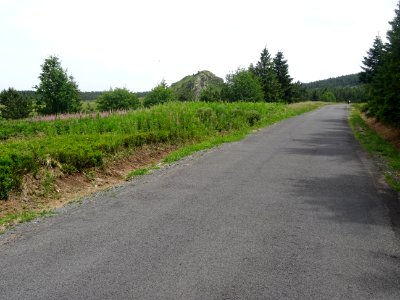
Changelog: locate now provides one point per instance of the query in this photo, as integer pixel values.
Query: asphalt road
(294, 211)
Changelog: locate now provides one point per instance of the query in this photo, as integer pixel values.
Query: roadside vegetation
(48, 151)
(74, 145)
(26, 216)
(384, 153)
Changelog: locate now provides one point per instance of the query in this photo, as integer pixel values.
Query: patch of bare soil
(388, 133)
(50, 188)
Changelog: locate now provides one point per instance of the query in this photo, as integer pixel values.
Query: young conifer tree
(391, 73)
(281, 68)
(264, 70)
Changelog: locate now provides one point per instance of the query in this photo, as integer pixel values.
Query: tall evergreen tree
(265, 72)
(57, 92)
(391, 100)
(381, 73)
(281, 68)
(372, 61)
(372, 76)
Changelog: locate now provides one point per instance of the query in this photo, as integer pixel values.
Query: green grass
(141, 172)
(377, 146)
(210, 143)
(138, 172)
(26, 216)
(81, 144)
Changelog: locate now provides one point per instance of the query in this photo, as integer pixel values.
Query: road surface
(294, 211)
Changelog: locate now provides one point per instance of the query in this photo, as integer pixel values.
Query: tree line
(351, 80)
(343, 88)
(268, 80)
(381, 75)
(58, 92)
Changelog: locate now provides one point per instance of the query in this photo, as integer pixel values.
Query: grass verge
(378, 148)
(141, 172)
(11, 219)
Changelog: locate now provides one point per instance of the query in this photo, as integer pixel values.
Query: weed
(90, 175)
(13, 218)
(48, 182)
(143, 171)
(137, 172)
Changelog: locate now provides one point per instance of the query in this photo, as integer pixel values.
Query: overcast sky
(135, 44)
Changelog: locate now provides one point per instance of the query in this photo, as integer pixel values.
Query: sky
(136, 44)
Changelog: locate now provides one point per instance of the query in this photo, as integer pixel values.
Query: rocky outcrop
(190, 87)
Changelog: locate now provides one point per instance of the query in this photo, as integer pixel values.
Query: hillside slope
(351, 80)
(190, 87)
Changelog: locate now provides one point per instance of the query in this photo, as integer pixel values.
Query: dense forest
(342, 88)
(351, 80)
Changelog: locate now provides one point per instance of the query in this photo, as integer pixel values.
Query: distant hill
(190, 87)
(342, 88)
(351, 80)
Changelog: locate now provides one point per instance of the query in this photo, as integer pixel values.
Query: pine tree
(282, 74)
(372, 76)
(381, 73)
(372, 61)
(265, 72)
(390, 111)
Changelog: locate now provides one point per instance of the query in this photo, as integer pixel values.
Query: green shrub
(6, 177)
(252, 117)
(160, 94)
(210, 94)
(14, 105)
(79, 156)
(118, 99)
(242, 85)
(206, 115)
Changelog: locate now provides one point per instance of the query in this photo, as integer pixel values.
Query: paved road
(291, 212)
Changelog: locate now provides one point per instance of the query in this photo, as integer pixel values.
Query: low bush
(118, 99)
(252, 117)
